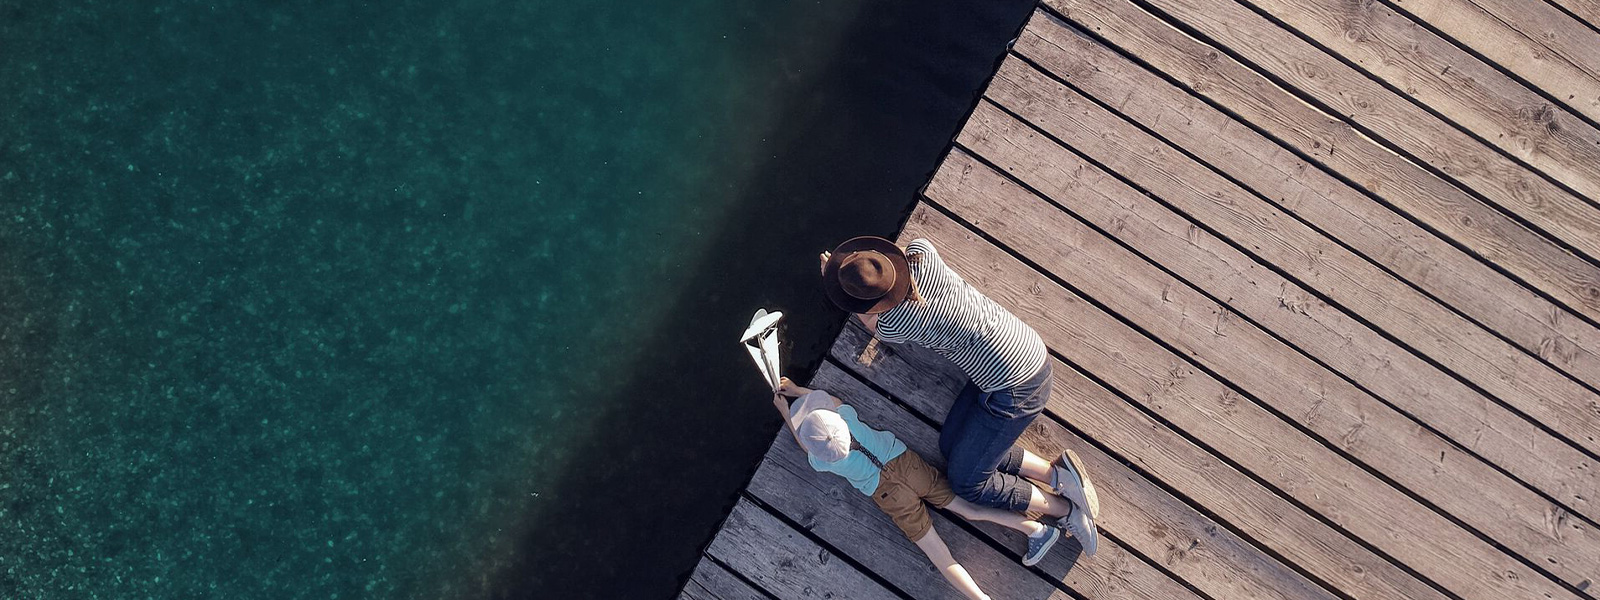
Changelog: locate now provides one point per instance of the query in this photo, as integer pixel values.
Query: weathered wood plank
(784, 562)
(1202, 478)
(1133, 511)
(1113, 573)
(712, 582)
(1407, 126)
(1586, 10)
(1461, 88)
(852, 525)
(1405, 380)
(1324, 330)
(1382, 236)
(1217, 415)
(1532, 39)
(1341, 150)
(1357, 424)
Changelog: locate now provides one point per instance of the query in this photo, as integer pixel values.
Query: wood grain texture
(1534, 40)
(1341, 150)
(1405, 380)
(1203, 479)
(1215, 414)
(1457, 85)
(852, 525)
(784, 562)
(1409, 251)
(1112, 573)
(1407, 126)
(1586, 10)
(712, 582)
(1252, 438)
(1464, 91)
(1133, 511)
(1323, 330)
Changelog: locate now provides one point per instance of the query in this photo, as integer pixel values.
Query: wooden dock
(1321, 283)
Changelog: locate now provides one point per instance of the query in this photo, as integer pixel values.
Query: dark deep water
(427, 299)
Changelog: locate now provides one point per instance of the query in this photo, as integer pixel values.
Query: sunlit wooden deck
(1321, 281)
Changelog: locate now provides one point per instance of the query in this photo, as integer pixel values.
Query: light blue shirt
(855, 466)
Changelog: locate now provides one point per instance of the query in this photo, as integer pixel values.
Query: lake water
(427, 299)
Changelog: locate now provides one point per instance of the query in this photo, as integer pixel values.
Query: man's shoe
(1040, 545)
(1070, 480)
(1082, 527)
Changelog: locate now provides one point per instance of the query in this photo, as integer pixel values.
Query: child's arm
(787, 388)
(952, 571)
(782, 403)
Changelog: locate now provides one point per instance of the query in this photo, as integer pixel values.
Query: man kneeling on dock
(897, 480)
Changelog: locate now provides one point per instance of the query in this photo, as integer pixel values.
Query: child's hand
(787, 387)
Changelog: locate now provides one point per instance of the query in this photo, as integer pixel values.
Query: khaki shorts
(903, 485)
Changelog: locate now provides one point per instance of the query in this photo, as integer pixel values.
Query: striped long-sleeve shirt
(993, 347)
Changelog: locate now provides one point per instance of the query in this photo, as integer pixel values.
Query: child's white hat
(822, 432)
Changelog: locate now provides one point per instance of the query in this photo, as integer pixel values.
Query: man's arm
(952, 571)
(870, 322)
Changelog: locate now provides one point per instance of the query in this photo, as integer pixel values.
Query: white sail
(761, 340)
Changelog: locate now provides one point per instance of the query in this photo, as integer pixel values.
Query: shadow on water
(693, 418)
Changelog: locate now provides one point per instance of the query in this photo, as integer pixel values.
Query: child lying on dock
(897, 480)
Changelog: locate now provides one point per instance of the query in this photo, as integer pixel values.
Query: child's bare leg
(1034, 467)
(953, 572)
(1006, 518)
(1048, 503)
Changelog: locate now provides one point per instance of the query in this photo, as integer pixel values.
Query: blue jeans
(979, 441)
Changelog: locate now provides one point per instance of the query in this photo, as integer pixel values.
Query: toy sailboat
(761, 339)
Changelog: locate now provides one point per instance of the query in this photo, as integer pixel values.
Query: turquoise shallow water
(425, 299)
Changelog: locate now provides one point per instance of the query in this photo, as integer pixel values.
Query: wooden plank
(1205, 480)
(1228, 424)
(1364, 101)
(1342, 151)
(850, 523)
(712, 582)
(1458, 86)
(1430, 263)
(1360, 353)
(1323, 330)
(1536, 41)
(1364, 429)
(1113, 573)
(1586, 10)
(1430, 69)
(784, 562)
(1133, 511)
